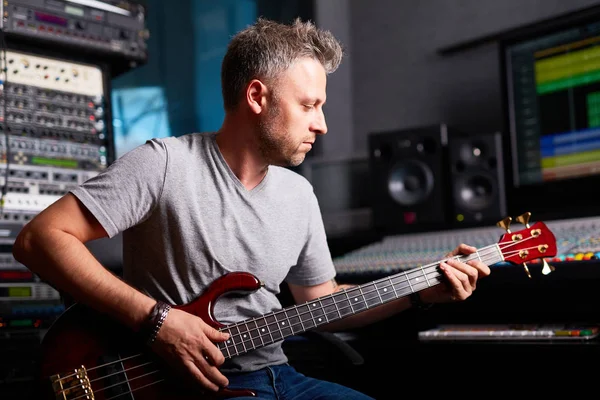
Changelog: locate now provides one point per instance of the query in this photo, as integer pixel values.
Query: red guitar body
(81, 337)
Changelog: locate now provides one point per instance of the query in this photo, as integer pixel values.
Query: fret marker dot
(229, 341)
(385, 290)
(416, 279)
(283, 323)
(263, 329)
(314, 305)
(244, 335)
(356, 299)
(320, 319)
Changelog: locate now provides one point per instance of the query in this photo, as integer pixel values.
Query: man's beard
(275, 144)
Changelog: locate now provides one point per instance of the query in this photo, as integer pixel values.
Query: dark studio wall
(400, 81)
(170, 62)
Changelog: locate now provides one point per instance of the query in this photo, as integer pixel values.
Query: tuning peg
(526, 268)
(524, 219)
(547, 267)
(505, 224)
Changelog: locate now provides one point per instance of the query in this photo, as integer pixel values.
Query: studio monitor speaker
(408, 170)
(477, 177)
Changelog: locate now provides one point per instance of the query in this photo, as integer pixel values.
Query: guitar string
(414, 270)
(86, 395)
(419, 271)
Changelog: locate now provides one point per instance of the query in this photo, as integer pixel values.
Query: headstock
(533, 242)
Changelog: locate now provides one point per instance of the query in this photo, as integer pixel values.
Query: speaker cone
(410, 182)
(475, 192)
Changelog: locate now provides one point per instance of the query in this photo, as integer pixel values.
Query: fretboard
(278, 325)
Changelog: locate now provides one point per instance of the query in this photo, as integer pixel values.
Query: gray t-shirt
(187, 220)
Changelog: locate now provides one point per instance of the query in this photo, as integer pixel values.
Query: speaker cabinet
(477, 176)
(408, 170)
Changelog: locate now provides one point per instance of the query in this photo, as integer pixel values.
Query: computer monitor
(551, 88)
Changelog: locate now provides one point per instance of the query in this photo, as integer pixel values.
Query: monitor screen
(553, 84)
(551, 92)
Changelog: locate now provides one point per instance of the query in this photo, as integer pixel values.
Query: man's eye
(309, 106)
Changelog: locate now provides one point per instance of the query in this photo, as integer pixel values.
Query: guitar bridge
(76, 385)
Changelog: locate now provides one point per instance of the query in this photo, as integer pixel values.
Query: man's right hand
(187, 343)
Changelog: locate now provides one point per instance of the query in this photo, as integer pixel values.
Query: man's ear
(256, 96)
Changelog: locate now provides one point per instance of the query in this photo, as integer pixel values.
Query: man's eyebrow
(314, 100)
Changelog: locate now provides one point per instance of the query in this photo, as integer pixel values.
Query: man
(195, 207)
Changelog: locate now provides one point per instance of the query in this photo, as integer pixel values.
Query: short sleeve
(125, 193)
(315, 265)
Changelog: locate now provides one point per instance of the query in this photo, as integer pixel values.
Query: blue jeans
(283, 382)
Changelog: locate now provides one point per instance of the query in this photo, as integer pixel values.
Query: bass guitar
(86, 355)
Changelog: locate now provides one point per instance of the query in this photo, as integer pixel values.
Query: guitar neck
(273, 327)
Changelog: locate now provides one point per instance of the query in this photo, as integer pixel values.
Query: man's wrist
(153, 323)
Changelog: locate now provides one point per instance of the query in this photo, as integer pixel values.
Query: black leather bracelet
(417, 303)
(154, 322)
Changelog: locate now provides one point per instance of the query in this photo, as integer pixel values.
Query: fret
(393, 288)
(349, 301)
(339, 315)
(255, 334)
(400, 281)
(277, 334)
(425, 275)
(300, 319)
(244, 334)
(293, 320)
(240, 347)
(328, 305)
(384, 291)
(378, 293)
(417, 282)
(283, 324)
(371, 296)
(357, 300)
(234, 332)
(223, 346)
(409, 284)
(263, 325)
(315, 312)
(342, 304)
(306, 316)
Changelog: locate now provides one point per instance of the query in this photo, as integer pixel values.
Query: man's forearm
(62, 260)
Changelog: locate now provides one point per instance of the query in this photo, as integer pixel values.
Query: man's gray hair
(267, 48)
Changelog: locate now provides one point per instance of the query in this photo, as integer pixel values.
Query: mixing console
(577, 239)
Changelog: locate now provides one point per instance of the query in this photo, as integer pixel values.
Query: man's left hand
(461, 278)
